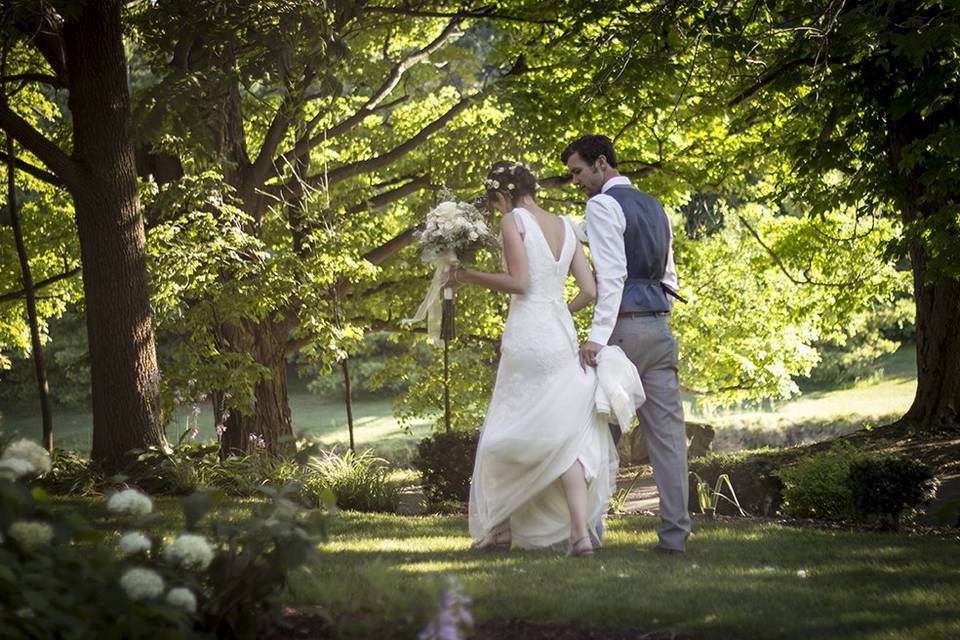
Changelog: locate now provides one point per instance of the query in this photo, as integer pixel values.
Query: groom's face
(588, 177)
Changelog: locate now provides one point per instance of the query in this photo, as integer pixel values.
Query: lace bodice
(539, 334)
(548, 275)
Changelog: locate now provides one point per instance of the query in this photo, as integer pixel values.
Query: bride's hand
(454, 278)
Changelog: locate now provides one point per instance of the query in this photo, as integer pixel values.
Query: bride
(546, 462)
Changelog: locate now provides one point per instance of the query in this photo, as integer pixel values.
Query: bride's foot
(581, 547)
(499, 539)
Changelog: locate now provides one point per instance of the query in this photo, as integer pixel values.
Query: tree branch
(277, 130)
(769, 77)
(385, 198)
(556, 182)
(46, 78)
(783, 268)
(36, 143)
(36, 172)
(487, 12)
(388, 85)
(372, 164)
(16, 295)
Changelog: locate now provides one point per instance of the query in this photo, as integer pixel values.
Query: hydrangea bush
(64, 576)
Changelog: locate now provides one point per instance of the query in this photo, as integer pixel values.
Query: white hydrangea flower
(130, 501)
(182, 598)
(189, 550)
(142, 584)
(510, 186)
(134, 542)
(14, 468)
(31, 534)
(31, 452)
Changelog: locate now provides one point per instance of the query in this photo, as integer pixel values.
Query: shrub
(63, 577)
(72, 474)
(174, 470)
(887, 486)
(752, 473)
(358, 481)
(816, 486)
(445, 462)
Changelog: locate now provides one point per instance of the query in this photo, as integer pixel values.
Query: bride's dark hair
(510, 179)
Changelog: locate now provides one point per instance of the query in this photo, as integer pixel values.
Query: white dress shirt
(605, 225)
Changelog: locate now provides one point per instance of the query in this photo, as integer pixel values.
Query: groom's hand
(588, 354)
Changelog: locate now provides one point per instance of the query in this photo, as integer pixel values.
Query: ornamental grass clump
(357, 481)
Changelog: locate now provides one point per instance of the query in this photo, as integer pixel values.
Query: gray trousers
(650, 345)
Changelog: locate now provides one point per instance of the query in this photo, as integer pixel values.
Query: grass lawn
(382, 574)
(740, 579)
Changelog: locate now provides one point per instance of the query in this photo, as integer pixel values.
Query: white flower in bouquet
(30, 451)
(182, 598)
(134, 542)
(130, 501)
(452, 228)
(142, 584)
(31, 534)
(189, 550)
(451, 231)
(14, 468)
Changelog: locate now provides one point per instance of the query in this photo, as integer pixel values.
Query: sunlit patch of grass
(739, 578)
(382, 574)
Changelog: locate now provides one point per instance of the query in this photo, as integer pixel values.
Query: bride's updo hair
(510, 179)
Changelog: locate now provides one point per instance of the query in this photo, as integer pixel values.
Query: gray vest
(646, 240)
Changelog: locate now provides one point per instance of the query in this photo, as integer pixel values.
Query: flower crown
(512, 168)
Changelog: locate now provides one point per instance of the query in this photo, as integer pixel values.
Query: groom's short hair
(590, 147)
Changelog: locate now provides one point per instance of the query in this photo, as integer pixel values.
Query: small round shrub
(887, 486)
(816, 486)
(445, 462)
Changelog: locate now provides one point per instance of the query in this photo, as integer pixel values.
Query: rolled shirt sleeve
(670, 278)
(605, 226)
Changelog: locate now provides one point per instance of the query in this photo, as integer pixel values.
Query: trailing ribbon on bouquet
(432, 306)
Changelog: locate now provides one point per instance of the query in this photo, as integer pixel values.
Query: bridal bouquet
(452, 232)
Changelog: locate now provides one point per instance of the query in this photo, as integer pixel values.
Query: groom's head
(591, 161)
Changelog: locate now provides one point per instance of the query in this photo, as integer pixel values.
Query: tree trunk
(46, 415)
(348, 398)
(125, 379)
(267, 426)
(936, 405)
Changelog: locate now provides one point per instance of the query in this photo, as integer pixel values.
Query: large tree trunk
(936, 405)
(267, 427)
(125, 379)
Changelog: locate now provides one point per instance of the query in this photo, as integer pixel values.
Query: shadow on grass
(739, 579)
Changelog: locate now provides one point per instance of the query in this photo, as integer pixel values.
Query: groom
(632, 246)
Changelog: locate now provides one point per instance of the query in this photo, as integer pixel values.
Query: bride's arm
(585, 280)
(517, 278)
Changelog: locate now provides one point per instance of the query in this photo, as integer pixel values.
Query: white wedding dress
(542, 416)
